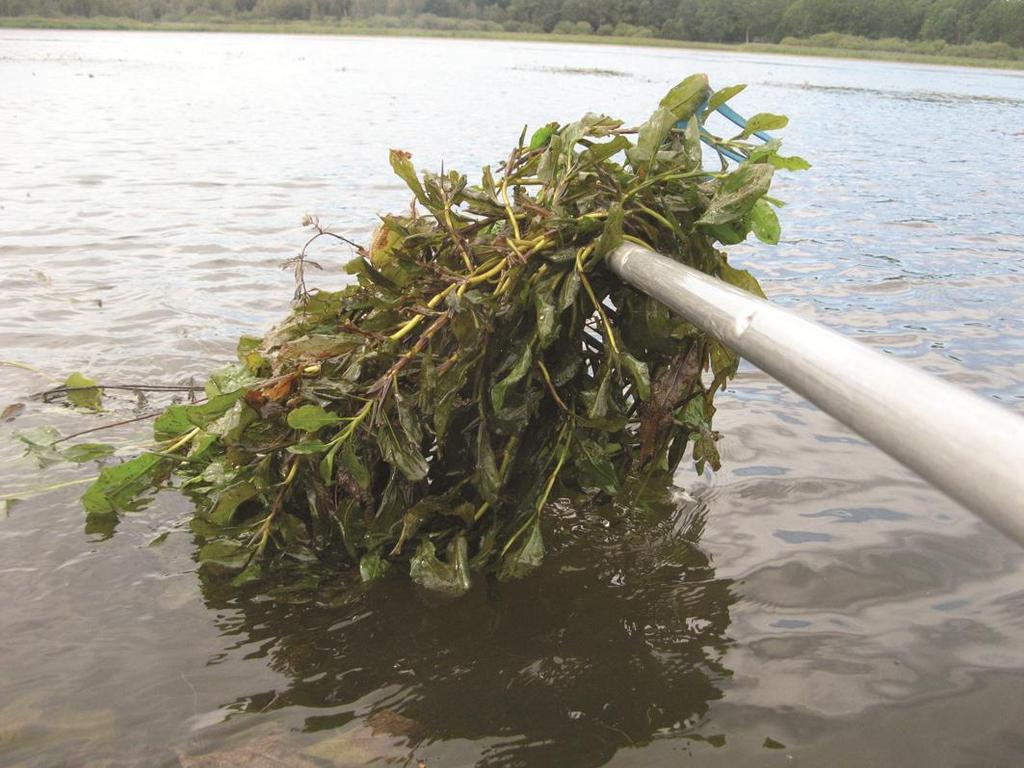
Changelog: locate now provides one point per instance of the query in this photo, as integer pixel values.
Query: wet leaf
(119, 488)
(764, 223)
(652, 135)
(639, 374)
(401, 164)
(373, 566)
(720, 97)
(39, 443)
(764, 121)
(519, 370)
(90, 397)
(400, 452)
(428, 571)
(83, 452)
(683, 100)
(527, 558)
(594, 468)
(737, 194)
(228, 501)
(742, 279)
(311, 418)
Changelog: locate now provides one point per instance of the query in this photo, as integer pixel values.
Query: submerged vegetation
(483, 362)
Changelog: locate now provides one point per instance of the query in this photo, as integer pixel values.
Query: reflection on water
(820, 605)
(618, 639)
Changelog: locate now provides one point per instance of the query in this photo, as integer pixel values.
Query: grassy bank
(789, 47)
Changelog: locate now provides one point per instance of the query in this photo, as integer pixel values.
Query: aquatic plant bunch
(483, 362)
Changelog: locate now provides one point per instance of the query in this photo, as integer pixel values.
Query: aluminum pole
(961, 443)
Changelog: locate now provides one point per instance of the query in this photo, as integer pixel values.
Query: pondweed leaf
(121, 488)
(719, 97)
(452, 577)
(82, 452)
(764, 223)
(521, 561)
(764, 121)
(310, 418)
(83, 392)
(737, 194)
(683, 100)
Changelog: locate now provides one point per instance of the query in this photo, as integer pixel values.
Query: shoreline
(349, 30)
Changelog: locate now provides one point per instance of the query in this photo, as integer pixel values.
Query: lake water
(812, 603)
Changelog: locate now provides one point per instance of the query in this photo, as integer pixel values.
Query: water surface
(812, 603)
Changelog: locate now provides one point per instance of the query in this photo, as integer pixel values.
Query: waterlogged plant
(483, 362)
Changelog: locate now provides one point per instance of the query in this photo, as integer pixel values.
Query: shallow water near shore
(812, 603)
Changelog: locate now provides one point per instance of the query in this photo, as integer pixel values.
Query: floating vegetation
(594, 71)
(483, 362)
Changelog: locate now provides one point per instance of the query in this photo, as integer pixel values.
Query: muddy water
(812, 603)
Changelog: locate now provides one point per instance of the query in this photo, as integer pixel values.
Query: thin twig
(46, 394)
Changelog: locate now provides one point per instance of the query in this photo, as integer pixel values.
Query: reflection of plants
(618, 643)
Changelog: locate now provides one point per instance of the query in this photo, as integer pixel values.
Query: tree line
(955, 22)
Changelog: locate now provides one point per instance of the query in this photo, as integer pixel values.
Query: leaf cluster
(483, 361)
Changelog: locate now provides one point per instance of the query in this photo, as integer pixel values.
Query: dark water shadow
(616, 640)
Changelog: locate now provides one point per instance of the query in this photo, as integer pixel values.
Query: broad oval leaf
(310, 418)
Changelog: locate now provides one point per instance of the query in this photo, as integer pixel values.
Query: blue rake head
(733, 116)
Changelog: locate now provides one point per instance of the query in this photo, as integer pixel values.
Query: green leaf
(542, 135)
(742, 279)
(308, 447)
(594, 468)
(223, 555)
(373, 566)
(489, 481)
(737, 193)
(692, 150)
(83, 452)
(179, 419)
(569, 290)
(718, 98)
(401, 452)
(695, 413)
(39, 443)
(354, 468)
(401, 164)
(650, 138)
(793, 163)
(90, 398)
(452, 577)
(705, 450)
(547, 317)
(519, 370)
(611, 235)
(764, 121)
(172, 423)
(228, 380)
(598, 153)
(724, 362)
(683, 100)
(418, 514)
(639, 374)
(118, 488)
(525, 559)
(248, 353)
(764, 223)
(229, 500)
(310, 418)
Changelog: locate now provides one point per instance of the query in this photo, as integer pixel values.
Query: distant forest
(945, 22)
